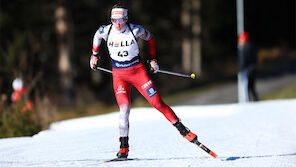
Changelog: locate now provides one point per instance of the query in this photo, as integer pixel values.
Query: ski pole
(105, 70)
(177, 74)
(161, 71)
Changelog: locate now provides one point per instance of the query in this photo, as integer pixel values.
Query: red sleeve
(95, 49)
(151, 45)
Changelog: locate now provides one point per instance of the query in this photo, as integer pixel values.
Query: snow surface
(259, 134)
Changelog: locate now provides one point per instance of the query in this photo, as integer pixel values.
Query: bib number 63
(122, 53)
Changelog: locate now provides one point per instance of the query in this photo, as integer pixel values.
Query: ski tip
(213, 154)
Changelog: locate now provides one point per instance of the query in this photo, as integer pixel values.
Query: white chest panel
(122, 46)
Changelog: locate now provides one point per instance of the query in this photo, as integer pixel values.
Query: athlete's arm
(144, 34)
(151, 45)
(101, 33)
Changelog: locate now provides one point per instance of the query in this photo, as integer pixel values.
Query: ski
(199, 144)
(121, 159)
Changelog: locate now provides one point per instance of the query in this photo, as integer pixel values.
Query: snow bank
(252, 134)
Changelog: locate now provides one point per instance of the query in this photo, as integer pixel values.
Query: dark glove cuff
(152, 60)
(97, 56)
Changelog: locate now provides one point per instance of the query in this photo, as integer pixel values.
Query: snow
(254, 134)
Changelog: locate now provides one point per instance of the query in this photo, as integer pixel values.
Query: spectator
(248, 62)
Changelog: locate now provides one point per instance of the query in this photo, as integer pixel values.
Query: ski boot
(123, 151)
(185, 132)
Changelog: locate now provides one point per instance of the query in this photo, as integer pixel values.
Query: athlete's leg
(122, 93)
(147, 88)
(144, 84)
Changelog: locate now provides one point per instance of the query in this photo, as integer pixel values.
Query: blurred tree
(219, 56)
(191, 45)
(196, 35)
(64, 30)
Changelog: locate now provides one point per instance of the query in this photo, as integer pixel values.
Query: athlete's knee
(158, 104)
(166, 111)
(125, 107)
(124, 115)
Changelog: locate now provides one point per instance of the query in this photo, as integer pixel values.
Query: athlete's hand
(94, 59)
(154, 66)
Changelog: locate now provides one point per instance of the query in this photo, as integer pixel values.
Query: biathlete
(121, 38)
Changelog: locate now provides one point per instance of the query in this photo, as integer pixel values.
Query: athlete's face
(118, 23)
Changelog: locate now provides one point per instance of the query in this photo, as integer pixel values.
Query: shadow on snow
(258, 156)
